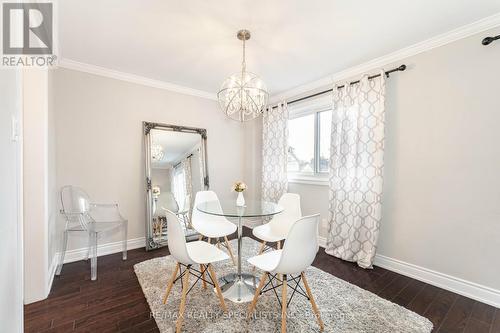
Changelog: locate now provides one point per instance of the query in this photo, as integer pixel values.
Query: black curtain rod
(189, 156)
(387, 73)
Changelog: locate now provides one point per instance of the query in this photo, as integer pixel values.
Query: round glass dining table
(239, 287)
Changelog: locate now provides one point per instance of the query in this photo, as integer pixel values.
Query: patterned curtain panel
(201, 171)
(179, 185)
(356, 170)
(274, 152)
(188, 180)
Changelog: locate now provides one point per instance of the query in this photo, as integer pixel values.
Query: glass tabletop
(228, 208)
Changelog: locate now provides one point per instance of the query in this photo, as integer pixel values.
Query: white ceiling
(175, 145)
(193, 43)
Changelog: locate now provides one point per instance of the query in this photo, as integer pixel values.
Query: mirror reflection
(176, 174)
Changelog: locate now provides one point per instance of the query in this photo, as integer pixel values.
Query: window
(309, 144)
(301, 144)
(179, 185)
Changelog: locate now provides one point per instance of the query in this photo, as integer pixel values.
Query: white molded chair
(187, 255)
(278, 228)
(212, 226)
(298, 253)
(94, 219)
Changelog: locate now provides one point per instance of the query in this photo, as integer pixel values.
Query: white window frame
(313, 106)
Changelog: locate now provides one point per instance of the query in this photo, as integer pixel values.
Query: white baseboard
(460, 286)
(463, 287)
(102, 250)
(51, 273)
(322, 241)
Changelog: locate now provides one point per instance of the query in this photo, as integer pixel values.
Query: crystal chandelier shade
(157, 153)
(243, 96)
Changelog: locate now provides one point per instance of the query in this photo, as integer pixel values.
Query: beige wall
(52, 189)
(441, 204)
(11, 240)
(35, 185)
(161, 177)
(253, 158)
(99, 139)
(313, 199)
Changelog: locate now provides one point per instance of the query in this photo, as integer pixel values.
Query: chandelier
(243, 96)
(157, 152)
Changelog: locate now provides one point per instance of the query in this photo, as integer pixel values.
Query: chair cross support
(295, 288)
(196, 273)
(268, 248)
(284, 285)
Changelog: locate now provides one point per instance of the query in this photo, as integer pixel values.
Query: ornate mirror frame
(151, 243)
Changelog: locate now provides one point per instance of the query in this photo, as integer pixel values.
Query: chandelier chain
(243, 63)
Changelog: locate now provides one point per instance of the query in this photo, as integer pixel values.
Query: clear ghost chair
(183, 213)
(83, 216)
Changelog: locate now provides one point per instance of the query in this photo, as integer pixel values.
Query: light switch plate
(14, 129)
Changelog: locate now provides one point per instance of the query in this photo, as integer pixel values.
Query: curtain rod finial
(489, 40)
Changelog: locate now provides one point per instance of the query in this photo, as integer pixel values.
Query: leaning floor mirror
(176, 169)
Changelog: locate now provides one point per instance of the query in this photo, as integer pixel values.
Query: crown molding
(426, 45)
(132, 78)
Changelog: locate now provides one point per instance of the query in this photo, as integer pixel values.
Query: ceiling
(175, 145)
(193, 43)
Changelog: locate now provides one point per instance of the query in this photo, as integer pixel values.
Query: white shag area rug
(344, 307)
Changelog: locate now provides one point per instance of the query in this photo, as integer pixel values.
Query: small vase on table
(239, 187)
(240, 201)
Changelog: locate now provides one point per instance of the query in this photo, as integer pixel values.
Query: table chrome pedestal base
(239, 290)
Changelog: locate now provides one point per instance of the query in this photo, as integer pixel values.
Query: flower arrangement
(239, 186)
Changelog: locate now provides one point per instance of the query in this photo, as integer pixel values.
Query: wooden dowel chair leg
(185, 287)
(257, 293)
(278, 246)
(262, 247)
(230, 250)
(217, 288)
(283, 305)
(313, 303)
(171, 283)
(202, 270)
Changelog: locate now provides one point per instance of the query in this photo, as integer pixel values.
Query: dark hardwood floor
(115, 302)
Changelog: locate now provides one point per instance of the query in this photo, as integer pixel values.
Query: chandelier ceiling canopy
(243, 95)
